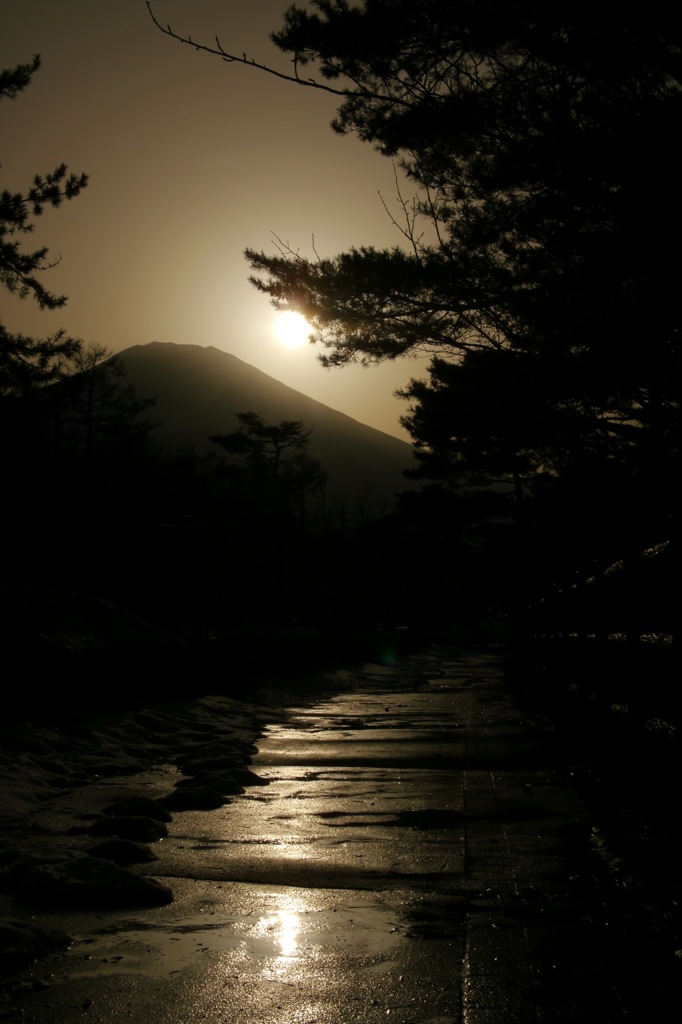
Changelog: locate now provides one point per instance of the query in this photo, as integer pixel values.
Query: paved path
(419, 856)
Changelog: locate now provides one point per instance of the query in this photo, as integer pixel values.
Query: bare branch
(230, 58)
(410, 212)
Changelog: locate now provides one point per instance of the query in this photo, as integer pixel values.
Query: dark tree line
(272, 467)
(75, 435)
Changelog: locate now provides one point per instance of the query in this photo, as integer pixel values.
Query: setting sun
(292, 329)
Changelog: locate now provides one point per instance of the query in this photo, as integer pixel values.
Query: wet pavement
(420, 854)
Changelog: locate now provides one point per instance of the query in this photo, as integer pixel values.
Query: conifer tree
(275, 464)
(26, 363)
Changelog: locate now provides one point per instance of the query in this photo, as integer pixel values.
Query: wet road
(415, 857)
(361, 795)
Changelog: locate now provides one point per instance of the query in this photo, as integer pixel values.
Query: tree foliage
(28, 362)
(539, 261)
(541, 141)
(264, 445)
(279, 472)
(98, 422)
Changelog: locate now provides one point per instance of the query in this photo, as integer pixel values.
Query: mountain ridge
(201, 389)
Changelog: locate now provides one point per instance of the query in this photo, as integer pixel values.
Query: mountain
(199, 392)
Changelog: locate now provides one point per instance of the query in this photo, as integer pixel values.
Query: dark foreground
(424, 851)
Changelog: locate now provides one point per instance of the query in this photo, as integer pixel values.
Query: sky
(191, 160)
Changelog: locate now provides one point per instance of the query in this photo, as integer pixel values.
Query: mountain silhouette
(200, 390)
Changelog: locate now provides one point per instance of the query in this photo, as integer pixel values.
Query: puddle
(286, 939)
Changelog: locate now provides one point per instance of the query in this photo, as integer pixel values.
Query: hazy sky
(191, 160)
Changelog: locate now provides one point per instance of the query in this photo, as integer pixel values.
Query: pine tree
(540, 139)
(26, 363)
(98, 423)
(274, 464)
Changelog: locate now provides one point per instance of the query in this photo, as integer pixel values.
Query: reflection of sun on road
(283, 928)
(290, 927)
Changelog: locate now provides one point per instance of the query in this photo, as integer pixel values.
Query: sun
(292, 329)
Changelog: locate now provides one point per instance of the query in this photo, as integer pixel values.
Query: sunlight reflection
(290, 927)
(283, 928)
